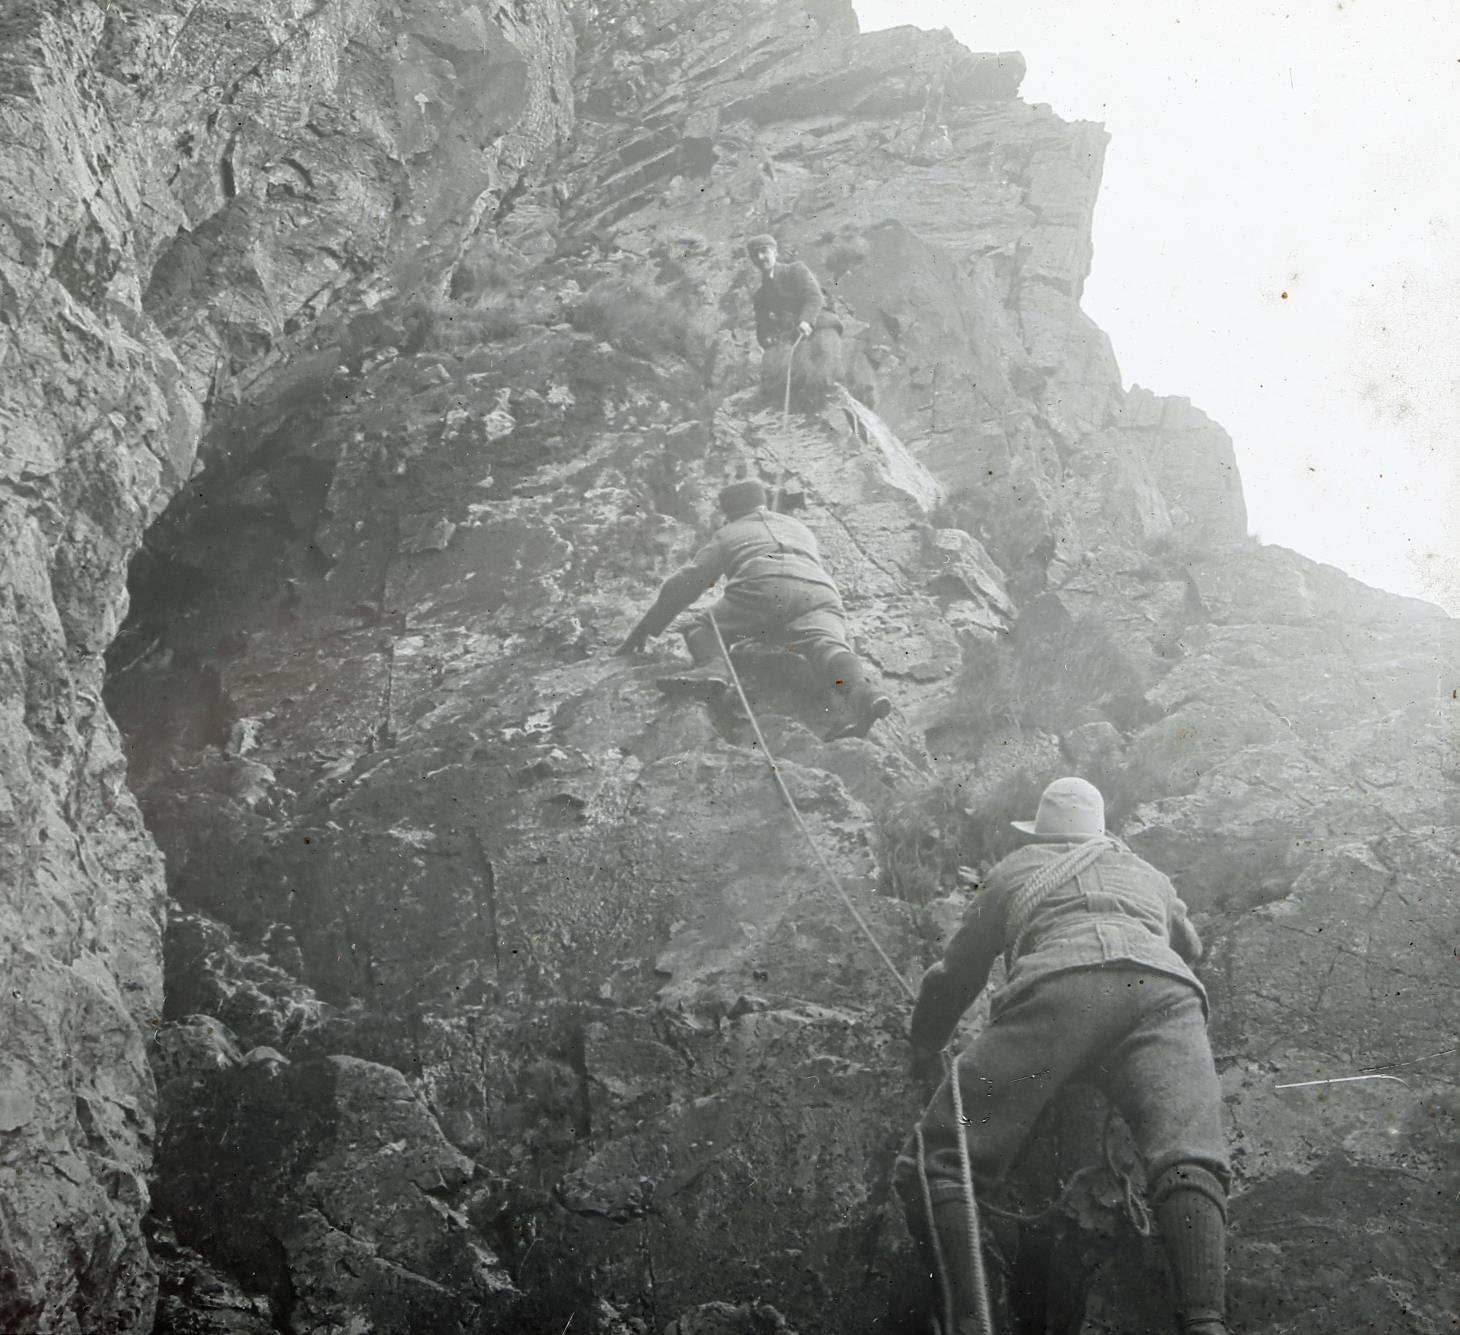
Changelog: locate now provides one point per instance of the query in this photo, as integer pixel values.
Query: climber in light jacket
(1098, 986)
(776, 592)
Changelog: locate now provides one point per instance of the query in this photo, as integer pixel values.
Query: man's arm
(951, 985)
(809, 297)
(677, 593)
(764, 328)
(1185, 940)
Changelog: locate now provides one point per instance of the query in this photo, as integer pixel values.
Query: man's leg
(815, 369)
(821, 636)
(1190, 1205)
(864, 701)
(1006, 1076)
(775, 363)
(750, 610)
(709, 677)
(1001, 1100)
(1162, 1079)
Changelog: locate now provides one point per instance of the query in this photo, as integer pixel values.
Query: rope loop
(1132, 1201)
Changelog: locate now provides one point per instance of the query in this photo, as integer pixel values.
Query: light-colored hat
(1069, 808)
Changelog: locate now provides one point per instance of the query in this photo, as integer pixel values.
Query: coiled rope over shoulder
(1049, 878)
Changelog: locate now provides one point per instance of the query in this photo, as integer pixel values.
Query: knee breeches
(781, 612)
(1137, 1035)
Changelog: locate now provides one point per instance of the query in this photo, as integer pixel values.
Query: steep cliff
(183, 193)
(498, 988)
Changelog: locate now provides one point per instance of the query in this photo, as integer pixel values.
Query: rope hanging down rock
(790, 801)
(982, 1310)
(970, 1201)
(786, 404)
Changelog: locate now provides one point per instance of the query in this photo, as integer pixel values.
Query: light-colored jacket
(763, 545)
(1118, 911)
(763, 542)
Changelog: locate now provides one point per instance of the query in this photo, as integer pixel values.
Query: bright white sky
(1255, 150)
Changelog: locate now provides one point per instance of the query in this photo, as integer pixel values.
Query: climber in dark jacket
(1098, 987)
(805, 358)
(789, 301)
(776, 592)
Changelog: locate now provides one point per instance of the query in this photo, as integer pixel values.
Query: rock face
(182, 195)
(499, 989)
(346, 1170)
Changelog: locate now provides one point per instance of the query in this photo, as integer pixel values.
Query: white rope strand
(831, 876)
(982, 1310)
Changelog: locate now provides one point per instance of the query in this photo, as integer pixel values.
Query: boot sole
(880, 708)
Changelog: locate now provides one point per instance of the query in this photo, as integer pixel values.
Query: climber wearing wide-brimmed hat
(777, 593)
(1098, 987)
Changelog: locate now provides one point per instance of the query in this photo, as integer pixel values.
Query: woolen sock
(1190, 1214)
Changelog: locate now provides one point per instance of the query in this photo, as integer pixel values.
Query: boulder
(327, 1188)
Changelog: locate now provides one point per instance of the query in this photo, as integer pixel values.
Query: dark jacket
(784, 299)
(763, 542)
(1120, 910)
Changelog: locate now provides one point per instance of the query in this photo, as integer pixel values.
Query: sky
(1256, 151)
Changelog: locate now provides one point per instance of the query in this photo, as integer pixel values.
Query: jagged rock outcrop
(499, 990)
(183, 193)
(546, 839)
(342, 1174)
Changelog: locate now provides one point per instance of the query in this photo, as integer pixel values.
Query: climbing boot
(1190, 1206)
(950, 1221)
(708, 679)
(863, 703)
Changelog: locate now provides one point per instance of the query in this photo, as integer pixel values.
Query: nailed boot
(1191, 1213)
(708, 679)
(864, 703)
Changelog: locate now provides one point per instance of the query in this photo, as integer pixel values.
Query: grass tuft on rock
(649, 321)
(919, 837)
(1068, 672)
(925, 836)
(460, 325)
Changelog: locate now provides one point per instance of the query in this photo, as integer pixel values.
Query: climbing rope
(981, 1308)
(785, 417)
(940, 1266)
(1135, 1208)
(786, 403)
(970, 1200)
(831, 876)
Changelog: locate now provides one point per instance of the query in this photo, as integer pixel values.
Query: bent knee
(1188, 1175)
